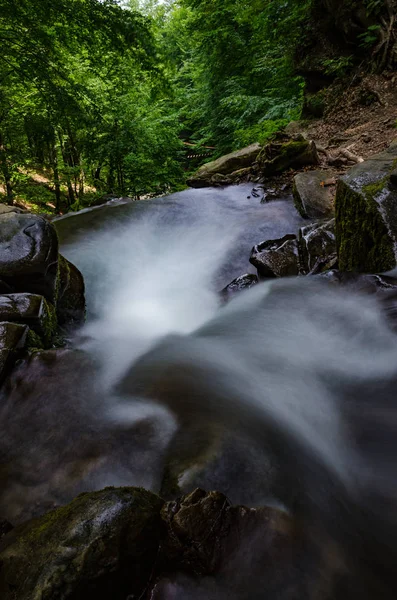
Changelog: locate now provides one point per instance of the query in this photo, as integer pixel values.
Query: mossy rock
(103, 545)
(70, 307)
(32, 310)
(216, 172)
(279, 156)
(366, 215)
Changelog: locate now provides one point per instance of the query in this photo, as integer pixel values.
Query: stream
(270, 399)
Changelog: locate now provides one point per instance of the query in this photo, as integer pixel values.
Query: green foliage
(338, 66)
(369, 38)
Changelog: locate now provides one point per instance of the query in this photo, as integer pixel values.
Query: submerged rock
(244, 282)
(317, 247)
(28, 254)
(276, 258)
(71, 295)
(366, 215)
(215, 172)
(285, 153)
(314, 194)
(12, 342)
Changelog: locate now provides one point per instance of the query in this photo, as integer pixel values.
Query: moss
(34, 341)
(50, 323)
(362, 238)
(277, 158)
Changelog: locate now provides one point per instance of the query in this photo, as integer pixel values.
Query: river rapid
(286, 396)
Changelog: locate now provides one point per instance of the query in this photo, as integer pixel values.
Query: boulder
(4, 209)
(276, 258)
(28, 254)
(314, 194)
(12, 341)
(366, 215)
(284, 153)
(32, 310)
(71, 295)
(317, 247)
(212, 172)
(102, 545)
(204, 532)
(244, 282)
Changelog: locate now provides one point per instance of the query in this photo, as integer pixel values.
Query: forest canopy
(99, 97)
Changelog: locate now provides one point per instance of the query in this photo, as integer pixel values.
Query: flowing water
(285, 396)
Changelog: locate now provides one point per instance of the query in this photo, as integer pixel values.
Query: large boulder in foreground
(28, 254)
(314, 194)
(216, 172)
(366, 215)
(276, 258)
(32, 310)
(103, 545)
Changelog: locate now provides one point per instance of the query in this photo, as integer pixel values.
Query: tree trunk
(6, 171)
(67, 165)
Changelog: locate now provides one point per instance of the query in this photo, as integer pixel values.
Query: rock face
(366, 215)
(215, 172)
(71, 295)
(31, 310)
(276, 258)
(285, 153)
(28, 254)
(317, 247)
(313, 194)
(103, 545)
(244, 282)
(12, 342)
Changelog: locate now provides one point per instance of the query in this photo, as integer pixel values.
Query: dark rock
(71, 295)
(244, 282)
(276, 258)
(312, 198)
(12, 341)
(5, 527)
(204, 532)
(366, 215)
(28, 254)
(32, 310)
(103, 545)
(286, 153)
(317, 247)
(216, 172)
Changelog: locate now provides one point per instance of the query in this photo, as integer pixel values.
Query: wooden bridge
(193, 153)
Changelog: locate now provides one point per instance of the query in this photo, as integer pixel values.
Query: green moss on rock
(366, 216)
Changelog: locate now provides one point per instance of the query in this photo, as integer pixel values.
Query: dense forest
(105, 97)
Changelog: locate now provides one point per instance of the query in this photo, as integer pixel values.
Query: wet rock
(285, 153)
(313, 197)
(5, 527)
(103, 545)
(32, 310)
(317, 247)
(209, 174)
(12, 341)
(227, 551)
(28, 254)
(71, 295)
(366, 215)
(244, 282)
(276, 258)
